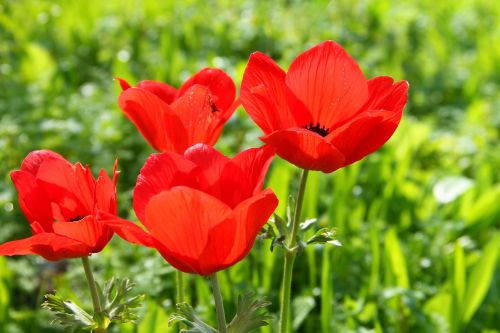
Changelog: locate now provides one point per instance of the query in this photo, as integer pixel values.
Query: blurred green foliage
(419, 219)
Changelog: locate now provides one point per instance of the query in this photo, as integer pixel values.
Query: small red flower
(174, 119)
(202, 210)
(322, 114)
(61, 202)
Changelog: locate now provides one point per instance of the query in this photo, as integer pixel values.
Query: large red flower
(322, 114)
(174, 119)
(202, 210)
(61, 202)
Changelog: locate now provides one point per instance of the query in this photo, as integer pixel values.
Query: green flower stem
(290, 254)
(219, 306)
(93, 293)
(180, 286)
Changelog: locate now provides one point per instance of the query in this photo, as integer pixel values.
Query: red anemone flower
(202, 210)
(174, 119)
(322, 114)
(61, 202)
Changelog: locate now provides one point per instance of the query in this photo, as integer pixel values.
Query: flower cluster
(201, 210)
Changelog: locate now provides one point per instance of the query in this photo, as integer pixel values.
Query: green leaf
(68, 314)
(116, 303)
(480, 278)
(485, 209)
(324, 235)
(187, 316)
(154, 319)
(459, 280)
(280, 225)
(307, 224)
(302, 306)
(290, 212)
(396, 259)
(250, 314)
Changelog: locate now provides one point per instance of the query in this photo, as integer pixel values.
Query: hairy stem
(179, 277)
(290, 254)
(219, 306)
(93, 292)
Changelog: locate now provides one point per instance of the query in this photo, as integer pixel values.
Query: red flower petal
(88, 231)
(267, 99)
(105, 192)
(210, 161)
(128, 230)
(329, 82)
(201, 121)
(249, 218)
(179, 261)
(372, 128)
(365, 135)
(34, 159)
(386, 95)
(161, 172)
(50, 246)
(123, 83)
(181, 219)
(32, 199)
(219, 174)
(254, 163)
(68, 186)
(154, 119)
(219, 84)
(164, 91)
(220, 241)
(305, 149)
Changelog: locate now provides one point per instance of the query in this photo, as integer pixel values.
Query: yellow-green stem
(180, 286)
(219, 306)
(93, 293)
(290, 254)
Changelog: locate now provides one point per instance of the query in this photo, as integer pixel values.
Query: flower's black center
(76, 218)
(318, 128)
(213, 107)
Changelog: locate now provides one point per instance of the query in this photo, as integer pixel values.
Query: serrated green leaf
(186, 315)
(250, 314)
(68, 314)
(117, 304)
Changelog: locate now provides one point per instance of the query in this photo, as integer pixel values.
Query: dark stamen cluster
(318, 128)
(76, 218)
(213, 107)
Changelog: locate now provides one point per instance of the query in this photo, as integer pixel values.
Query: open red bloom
(323, 114)
(202, 210)
(61, 202)
(174, 119)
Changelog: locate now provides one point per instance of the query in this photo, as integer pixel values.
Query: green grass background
(418, 220)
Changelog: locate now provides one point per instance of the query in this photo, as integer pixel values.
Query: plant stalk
(179, 277)
(219, 306)
(290, 254)
(93, 292)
